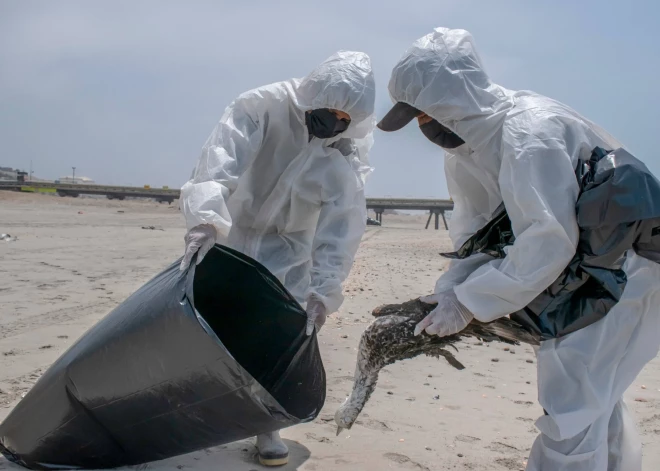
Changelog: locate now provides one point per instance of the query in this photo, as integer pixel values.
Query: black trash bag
(154, 379)
(490, 239)
(618, 209)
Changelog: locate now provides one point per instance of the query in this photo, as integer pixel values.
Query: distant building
(11, 174)
(7, 173)
(79, 180)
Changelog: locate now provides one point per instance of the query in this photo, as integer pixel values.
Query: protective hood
(442, 75)
(343, 82)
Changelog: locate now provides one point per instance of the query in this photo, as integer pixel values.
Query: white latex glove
(199, 240)
(315, 315)
(449, 316)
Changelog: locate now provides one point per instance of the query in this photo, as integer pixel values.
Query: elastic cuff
(331, 304)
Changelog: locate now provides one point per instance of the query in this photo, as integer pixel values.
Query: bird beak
(339, 429)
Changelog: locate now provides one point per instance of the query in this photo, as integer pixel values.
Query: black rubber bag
(189, 361)
(618, 209)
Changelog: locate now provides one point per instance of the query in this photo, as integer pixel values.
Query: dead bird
(391, 338)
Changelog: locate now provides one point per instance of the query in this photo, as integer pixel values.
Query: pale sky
(128, 91)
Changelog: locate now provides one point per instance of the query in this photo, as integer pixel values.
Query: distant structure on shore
(79, 180)
(15, 174)
(11, 174)
(7, 173)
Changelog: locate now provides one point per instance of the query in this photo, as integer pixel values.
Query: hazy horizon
(127, 92)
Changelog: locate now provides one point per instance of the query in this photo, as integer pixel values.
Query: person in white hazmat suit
(281, 179)
(521, 149)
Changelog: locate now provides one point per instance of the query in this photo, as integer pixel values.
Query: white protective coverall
(294, 204)
(522, 149)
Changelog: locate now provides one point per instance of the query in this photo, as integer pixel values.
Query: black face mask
(324, 124)
(440, 135)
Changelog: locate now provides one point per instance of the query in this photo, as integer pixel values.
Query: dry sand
(76, 259)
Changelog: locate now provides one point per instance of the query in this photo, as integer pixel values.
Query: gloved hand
(449, 317)
(199, 240)
(315, 315)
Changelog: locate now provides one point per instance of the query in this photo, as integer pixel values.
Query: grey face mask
(440, 135)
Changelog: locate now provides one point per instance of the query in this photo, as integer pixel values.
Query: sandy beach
(75, 259)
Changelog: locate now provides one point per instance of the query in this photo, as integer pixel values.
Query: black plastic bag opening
(270, 345)
(189, 361)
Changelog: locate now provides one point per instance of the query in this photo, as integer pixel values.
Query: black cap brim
(400, 115)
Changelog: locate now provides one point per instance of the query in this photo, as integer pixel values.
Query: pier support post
(437, 214)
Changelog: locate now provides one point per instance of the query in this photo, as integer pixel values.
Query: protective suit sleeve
(458, 271)
(539, 189)
(341, 224)
(465, 221)
(463, 186)
(227, 152)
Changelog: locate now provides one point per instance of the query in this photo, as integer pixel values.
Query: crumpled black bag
(618, 209)
(155, 379)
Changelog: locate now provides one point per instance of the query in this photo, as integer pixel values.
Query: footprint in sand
(467, 439)
(524, 403)
(405, 461)
(374, 425)
(510, 463)
(655, 419)
(502, 447)
(325, 419)
(651, 424)
(524, 419)
(311, 436)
